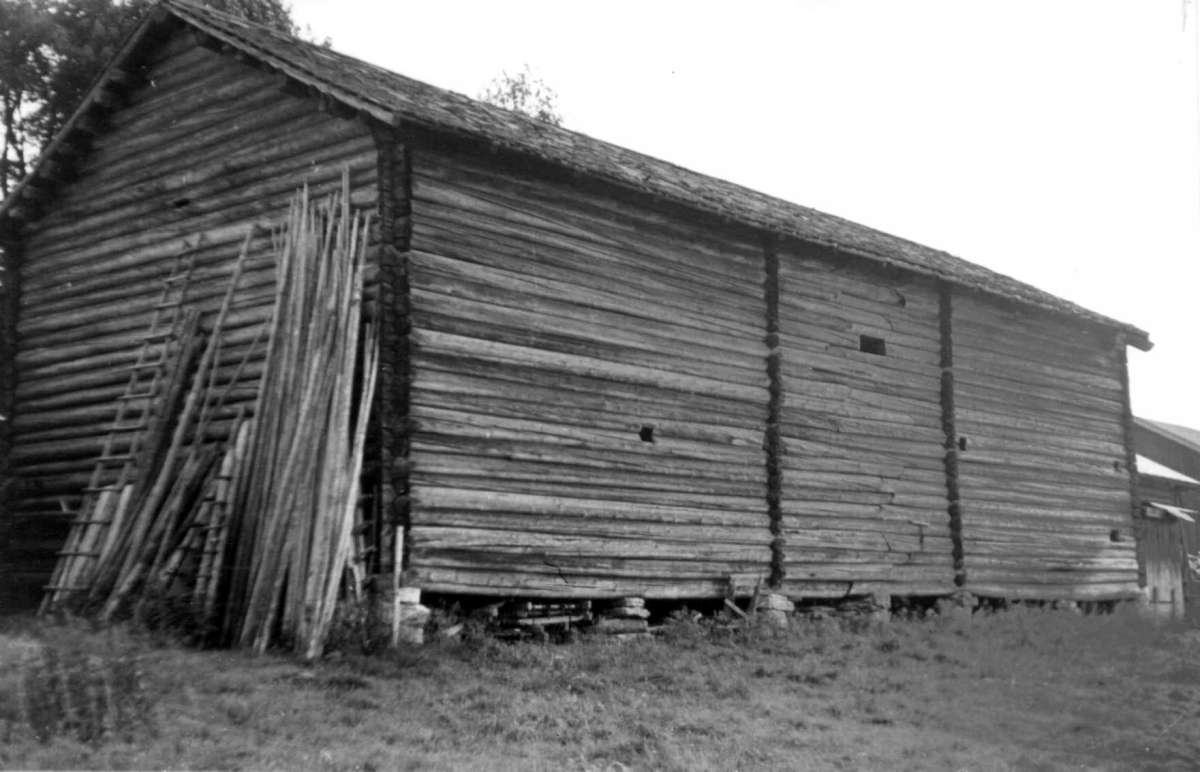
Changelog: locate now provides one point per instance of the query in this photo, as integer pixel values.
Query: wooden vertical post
(950, 430)
(773, 437)
(392, 394)
(1127, 434)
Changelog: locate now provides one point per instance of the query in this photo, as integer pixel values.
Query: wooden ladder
(90, 534)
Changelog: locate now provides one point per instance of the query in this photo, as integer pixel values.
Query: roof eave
(349, 100)
(168, 10)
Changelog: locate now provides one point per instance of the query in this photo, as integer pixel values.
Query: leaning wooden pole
(294, 508)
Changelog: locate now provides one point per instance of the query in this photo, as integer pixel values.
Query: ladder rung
(122, 457)
(158, 335)
(137, 395)
(128, 427)
(144, 366)
(232, 390)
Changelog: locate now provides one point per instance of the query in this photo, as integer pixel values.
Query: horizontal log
(613, 295)
(749, 501)
(579, 549)
(864, 572)
(168, 217)
(799, 589)
(503, 244)
(503, 353)
(975, 481)
(500, 475)
(747, 532)
(512, 459)
(643, 353)
(614, 216)
(433, 292)
(435, 499)
(551, 584)
(473, 433)
(803, 358)
(440, 380)
(985, 588)
(865, 447)
(1026, 393)
(912, 294)
(802, 425)
(505, 217)
(634, 291)
(520, 561)
(1035, 330)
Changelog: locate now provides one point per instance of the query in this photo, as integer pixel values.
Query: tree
(275, 14)
(26, 33)
(51, 51)
(525, 93)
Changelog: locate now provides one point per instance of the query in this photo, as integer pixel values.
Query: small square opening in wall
(871, 345)
(646, 433)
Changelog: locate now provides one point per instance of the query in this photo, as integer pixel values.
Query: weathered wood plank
(204, 162)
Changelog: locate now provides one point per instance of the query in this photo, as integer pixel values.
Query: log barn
(602, 375)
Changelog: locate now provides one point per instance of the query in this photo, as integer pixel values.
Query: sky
(1056, 142)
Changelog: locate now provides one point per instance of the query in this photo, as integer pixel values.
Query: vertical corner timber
(950, 430)
(1127, 434)
(392, 396)
(773, 437)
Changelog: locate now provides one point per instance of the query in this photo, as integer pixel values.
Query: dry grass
(1024, 690)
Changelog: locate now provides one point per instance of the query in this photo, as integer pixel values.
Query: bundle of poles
(248, 533)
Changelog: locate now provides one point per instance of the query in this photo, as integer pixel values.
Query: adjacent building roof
(1175, 447)
(395, 100)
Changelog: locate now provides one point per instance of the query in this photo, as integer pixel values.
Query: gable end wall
(200, 153)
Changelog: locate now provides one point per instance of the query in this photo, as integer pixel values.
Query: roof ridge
(392, 98)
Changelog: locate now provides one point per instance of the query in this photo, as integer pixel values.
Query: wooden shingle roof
(395, 99)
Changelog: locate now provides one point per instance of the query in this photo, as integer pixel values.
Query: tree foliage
(525, 93)
(26, 45)
(51, 52)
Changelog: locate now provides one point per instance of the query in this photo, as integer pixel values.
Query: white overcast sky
(1057, 141)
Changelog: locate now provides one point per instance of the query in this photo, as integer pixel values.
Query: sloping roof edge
(1156, 510)
(392, 99)
(1175, 447)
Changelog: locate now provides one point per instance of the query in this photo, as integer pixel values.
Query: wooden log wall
(583, 393)
(864, 486)
(1043, 467)
(205, 148)
(589, 390)
(9, 293)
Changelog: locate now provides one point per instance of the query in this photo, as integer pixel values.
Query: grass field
(1022, 690)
